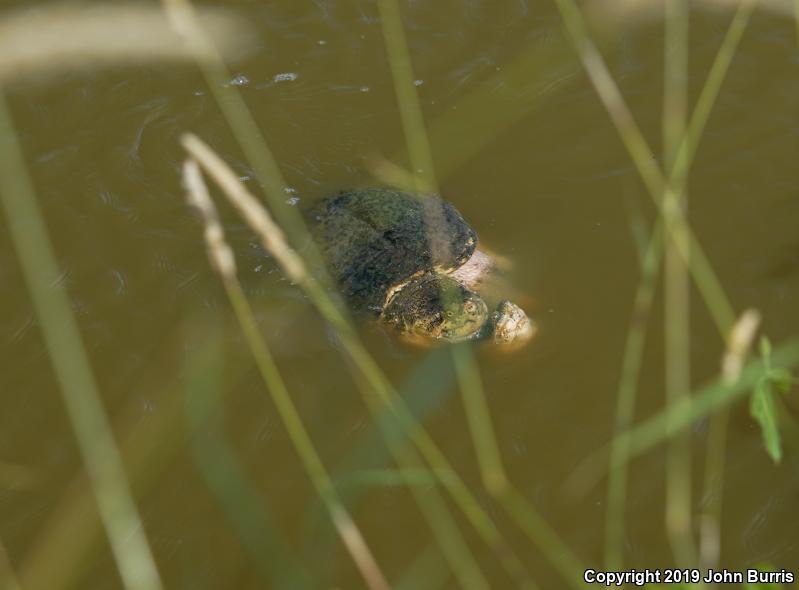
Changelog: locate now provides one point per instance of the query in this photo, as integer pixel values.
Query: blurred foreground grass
(398, 420)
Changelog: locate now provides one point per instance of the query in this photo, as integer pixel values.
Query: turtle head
(438, 307)
(461, 316)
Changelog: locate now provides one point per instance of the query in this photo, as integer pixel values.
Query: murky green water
(541, 175)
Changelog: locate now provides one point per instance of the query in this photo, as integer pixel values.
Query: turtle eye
(449, 314)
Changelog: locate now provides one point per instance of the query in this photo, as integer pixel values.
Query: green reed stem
(493, 473)
(474, 400)
(714, 459)
(634, 347)
(711, 398)
(343, 522)
(204, 387)
(474, 397)
(710, 529)
(683, 241)
(399, 61)
(149, 449)
(456, 551)
(675, 79)
(423, 391)
(677, 289)
(71, 365)
(716, 396)
(463, 498)
(710, 526)
(709, 94)
(662, 193)
(543, 535)
(625, 408)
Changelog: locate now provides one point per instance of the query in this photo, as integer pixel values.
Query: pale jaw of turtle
(512, 328)
(472, 273)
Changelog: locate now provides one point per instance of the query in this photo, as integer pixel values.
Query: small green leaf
(763, 406)
(763, 409)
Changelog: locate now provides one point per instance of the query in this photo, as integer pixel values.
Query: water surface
(540, 174)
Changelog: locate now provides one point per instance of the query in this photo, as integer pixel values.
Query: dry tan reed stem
(357, 547)
(221, 257)
(49, 39)
(273, 238)
(219, 252)
(739, 342)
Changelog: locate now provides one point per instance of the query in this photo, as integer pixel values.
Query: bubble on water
(147, 405)
(285, 77)
(259, 268)
(244, 177)
(364, 89)
(240, 80)
(292, 201)
(199, 93)
(321, 42)
(418, 82)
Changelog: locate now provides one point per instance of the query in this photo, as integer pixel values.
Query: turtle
(411, 260)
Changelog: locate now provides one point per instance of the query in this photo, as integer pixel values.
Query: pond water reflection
(536, 167)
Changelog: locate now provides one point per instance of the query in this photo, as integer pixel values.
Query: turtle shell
(375, 239)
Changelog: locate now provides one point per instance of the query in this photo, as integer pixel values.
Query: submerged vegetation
(454, 508)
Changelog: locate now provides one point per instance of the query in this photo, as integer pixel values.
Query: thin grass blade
(73, 372)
